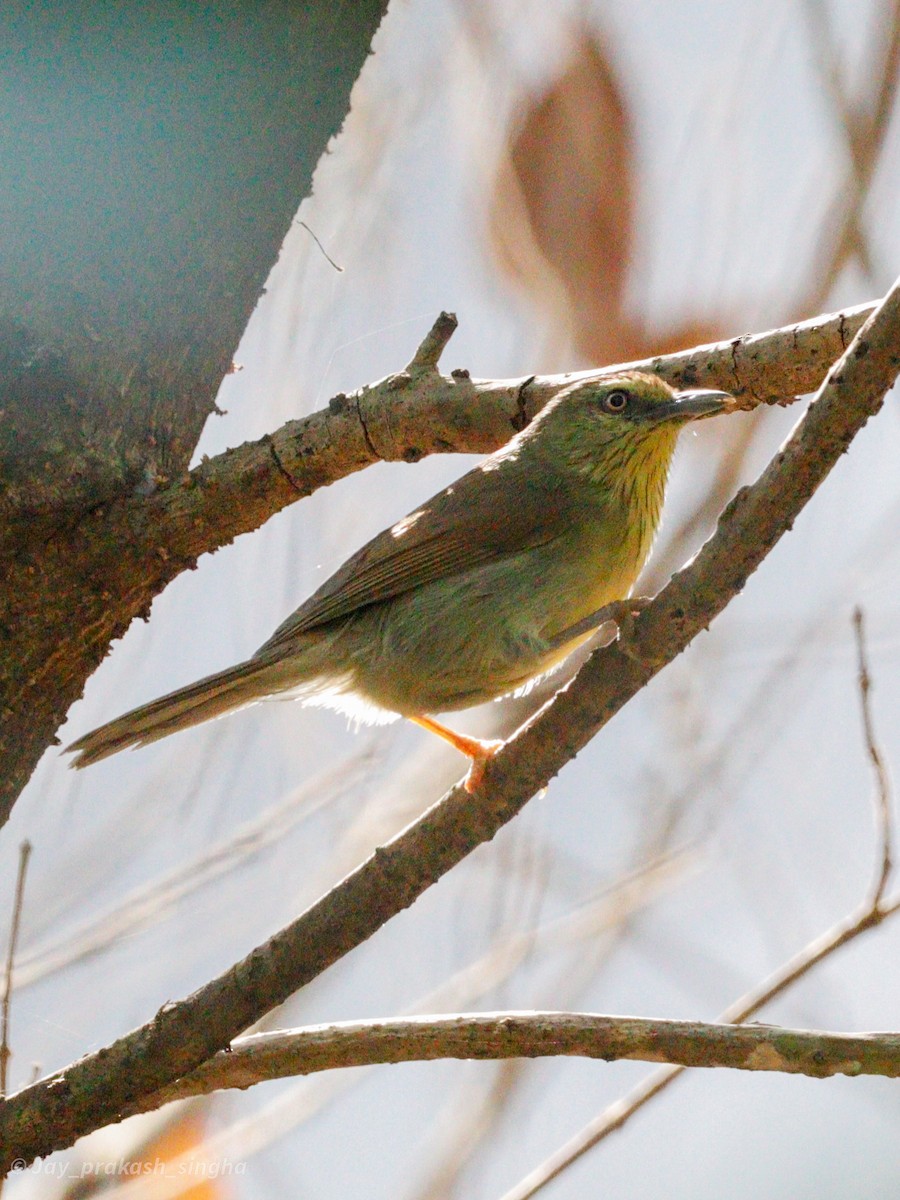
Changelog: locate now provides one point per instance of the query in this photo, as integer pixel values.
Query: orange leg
(478, 750)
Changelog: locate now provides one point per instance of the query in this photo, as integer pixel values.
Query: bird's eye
(615, 402)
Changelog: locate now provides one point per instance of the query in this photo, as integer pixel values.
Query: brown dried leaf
(562, 215)
(563, 211)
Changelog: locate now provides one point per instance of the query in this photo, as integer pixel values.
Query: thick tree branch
(290, 1052)
(55, 1111)
(418, 411)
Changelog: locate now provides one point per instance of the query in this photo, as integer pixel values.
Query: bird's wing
(492, 510)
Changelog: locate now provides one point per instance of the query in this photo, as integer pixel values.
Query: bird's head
(622, 428)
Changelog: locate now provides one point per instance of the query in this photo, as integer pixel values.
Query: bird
(476, 593)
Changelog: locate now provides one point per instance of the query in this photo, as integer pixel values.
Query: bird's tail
(201, 701)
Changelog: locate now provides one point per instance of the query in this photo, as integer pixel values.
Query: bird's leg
(622, 612)
(477, 749)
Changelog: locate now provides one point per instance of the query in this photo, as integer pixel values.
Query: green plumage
(470, 596)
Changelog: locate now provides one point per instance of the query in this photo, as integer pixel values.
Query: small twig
(15, 922)
(883, 819)
(889, 74)
(151, 902)
(864, 124)
(434, 343)
(319, 244)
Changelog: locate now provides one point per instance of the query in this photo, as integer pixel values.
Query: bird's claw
(480, 758)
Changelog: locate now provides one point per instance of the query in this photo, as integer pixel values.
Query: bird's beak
(689, 406)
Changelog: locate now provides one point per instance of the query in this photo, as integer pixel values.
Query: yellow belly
(482, 634)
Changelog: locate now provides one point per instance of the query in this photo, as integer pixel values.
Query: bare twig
(14, 925)
(149, 903)
(465, 1126)
(889, 75)
(433, 345)
(864, 124)
(883, 803)
(321, 247)
(588, 925)
(234, 492)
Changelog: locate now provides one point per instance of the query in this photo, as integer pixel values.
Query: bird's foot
(479, 750)
(627, 640)
(621, 612)
(480, 756)
(626, 612)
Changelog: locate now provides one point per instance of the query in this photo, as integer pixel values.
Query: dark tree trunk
(152, 157)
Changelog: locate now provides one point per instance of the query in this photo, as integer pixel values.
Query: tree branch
(418, 411)
(55, 1111)
(290, 1052)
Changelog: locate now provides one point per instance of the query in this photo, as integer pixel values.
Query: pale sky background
(753, 736)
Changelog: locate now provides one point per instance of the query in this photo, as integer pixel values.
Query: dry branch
(499, 1035)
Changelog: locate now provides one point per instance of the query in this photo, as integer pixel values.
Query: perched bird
(488, 585)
